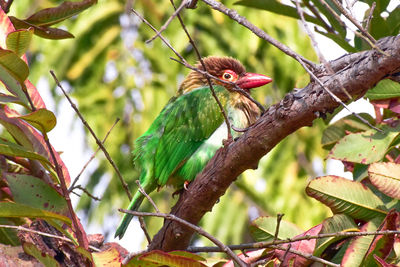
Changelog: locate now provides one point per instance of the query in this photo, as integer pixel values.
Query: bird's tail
(134, 205)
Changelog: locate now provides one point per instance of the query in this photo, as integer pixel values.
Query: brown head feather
(215, 66)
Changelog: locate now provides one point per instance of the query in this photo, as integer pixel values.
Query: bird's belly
(200, 157)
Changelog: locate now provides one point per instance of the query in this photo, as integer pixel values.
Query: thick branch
(355, 72)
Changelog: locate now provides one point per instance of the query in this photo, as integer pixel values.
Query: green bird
(190, 128)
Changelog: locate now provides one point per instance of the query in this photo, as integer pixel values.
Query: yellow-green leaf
(11, 209)
(44, 258)
(348, 197)
(43, 196)
(110, 257)
(386, 177)
(18, 41)
(42, 119)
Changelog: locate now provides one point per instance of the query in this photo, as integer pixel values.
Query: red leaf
(383, 244)
(383, 263)
(35, 96)
(5, 28)
(305, 246)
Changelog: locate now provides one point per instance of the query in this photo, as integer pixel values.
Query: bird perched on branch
(190, 128)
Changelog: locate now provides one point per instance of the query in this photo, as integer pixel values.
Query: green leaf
(42, 119)
(394, 21)
(339, 27)
(336, 131)
(9, 236)
(13, 210)
(42, 195)
(14, 65)
(278, 8)
(50, 16)
(11, 149)
(378, 26)
(42, 257)
(13, 73)
(336, 223)
(365, 147)
(263, 229)
(44, 32)
(187, 255)
(18, 41)
(163, 258)
(28, 137)
(383, 90)
(386, 177)
(344, 196)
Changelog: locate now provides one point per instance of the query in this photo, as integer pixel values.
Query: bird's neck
(193, 81)
(242, 111)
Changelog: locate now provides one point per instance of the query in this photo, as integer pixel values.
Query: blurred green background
(111, 72)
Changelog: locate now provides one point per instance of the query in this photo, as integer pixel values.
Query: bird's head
(227, 69)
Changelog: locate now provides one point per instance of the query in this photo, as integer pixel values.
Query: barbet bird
(190, 128)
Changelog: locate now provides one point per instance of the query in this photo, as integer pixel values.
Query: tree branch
(355, 72)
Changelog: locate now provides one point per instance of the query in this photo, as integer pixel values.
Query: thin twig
(304, 255)
(316, 13)
(235, 87)
(141, 190)
(337, 99)
(285, 255)
(267, 244)
(311, 35)
(21, 228)
(370, 15)
(195, 228)
(87, 192)
(315, 45)
(333, 13)
(144, 229)
(354, 21)
(92, 157)
(349, 7)
(80, 235)
(124, 185)
(231, 13)
(141, 219)
(187, 65)
(164, 27)
(278, 223)
(7, 7)
(228, 124)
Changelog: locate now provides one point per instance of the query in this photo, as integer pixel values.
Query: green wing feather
(164, 151)
(191, 121)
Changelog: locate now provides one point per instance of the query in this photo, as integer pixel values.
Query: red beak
(252, 80)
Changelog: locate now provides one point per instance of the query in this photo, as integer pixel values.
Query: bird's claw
(180, 191)
(240, 130)
(185, 184)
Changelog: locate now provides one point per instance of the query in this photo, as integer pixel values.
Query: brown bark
(356, 73)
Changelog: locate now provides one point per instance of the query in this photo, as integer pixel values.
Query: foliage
(107, 41)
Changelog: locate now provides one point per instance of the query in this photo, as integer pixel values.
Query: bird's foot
(177, 192)
(180, 191)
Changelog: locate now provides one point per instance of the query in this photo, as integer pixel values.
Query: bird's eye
(229, 76)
